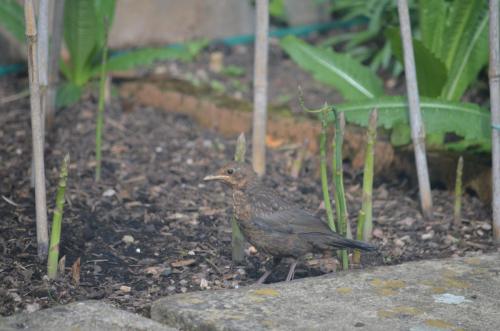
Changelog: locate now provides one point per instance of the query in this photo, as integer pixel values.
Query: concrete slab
(81, 316)
(451, 294)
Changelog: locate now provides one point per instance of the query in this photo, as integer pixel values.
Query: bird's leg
(291, 272)
(266, 274)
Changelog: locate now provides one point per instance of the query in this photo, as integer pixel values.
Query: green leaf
(466, 120)
(81, 37)
(144, 56)
(401, 134)
(432, 17)
(277, 9)
(105, 11)
(461, 24)
(472, 57)
(352, 79)
(431, 72)
(12, 18)
(68, 94)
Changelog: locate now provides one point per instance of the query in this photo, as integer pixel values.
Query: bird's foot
(263, 278)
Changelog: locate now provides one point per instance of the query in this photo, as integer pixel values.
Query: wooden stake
(260, 88)
(37, 134)
(494, 77)
(417, 126)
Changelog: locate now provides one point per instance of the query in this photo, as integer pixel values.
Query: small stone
(109, 193)
(125, 289)
(183, 282)
(167, 271)
(427, 236)
(171, 288)
(480, 232)
(183, 289)
(203, 284)
(251, 250)
(450, 239)
(398, 242)
(128, 239)
(378, 233)
(486, 226)
(407, 222)
(32, 307)
(158, 149)
(216, 62)
(191, 253)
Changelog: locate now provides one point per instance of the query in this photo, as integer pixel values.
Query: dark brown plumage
(275, 226)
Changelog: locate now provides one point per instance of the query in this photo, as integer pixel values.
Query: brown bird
(275, 226)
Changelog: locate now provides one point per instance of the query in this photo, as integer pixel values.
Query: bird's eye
(230, 171)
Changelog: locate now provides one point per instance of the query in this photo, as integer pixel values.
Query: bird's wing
(292, 221)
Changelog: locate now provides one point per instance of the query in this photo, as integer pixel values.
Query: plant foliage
(12, 18)
(351, 78)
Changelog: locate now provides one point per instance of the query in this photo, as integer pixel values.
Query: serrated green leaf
(440, 117)
(431, 72)
(12, 18)
(352, 79)
(105, 12)
(461, 23)
(81, 37)
(400, 134)
(472, 57)
(142, 57)
(432, 17)
(68, 94)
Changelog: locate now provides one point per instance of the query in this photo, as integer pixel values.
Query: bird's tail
(349, 243)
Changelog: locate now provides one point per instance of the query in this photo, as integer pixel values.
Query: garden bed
(151, 228)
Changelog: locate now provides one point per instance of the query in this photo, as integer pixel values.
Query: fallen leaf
(182, 263)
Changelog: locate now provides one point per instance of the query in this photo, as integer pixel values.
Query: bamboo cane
(457, 205)
(260, 88)
(417, 126)
(37, 134)
(494, 77)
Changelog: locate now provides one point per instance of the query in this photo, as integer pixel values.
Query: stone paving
(450, 294)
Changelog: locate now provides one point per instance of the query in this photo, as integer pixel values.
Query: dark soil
(151, 228)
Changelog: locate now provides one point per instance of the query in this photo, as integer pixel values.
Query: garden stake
(417, 126)
(37, 134)
(260, 88)
(237, 240)
(457, 206)
(55, 235)
(494, 77)
(365, 220)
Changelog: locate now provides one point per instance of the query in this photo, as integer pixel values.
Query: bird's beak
(215, 177)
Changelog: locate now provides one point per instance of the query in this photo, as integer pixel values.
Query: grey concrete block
(81, 316)
(450, 294)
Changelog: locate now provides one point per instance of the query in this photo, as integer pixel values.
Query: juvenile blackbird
(275, 226)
